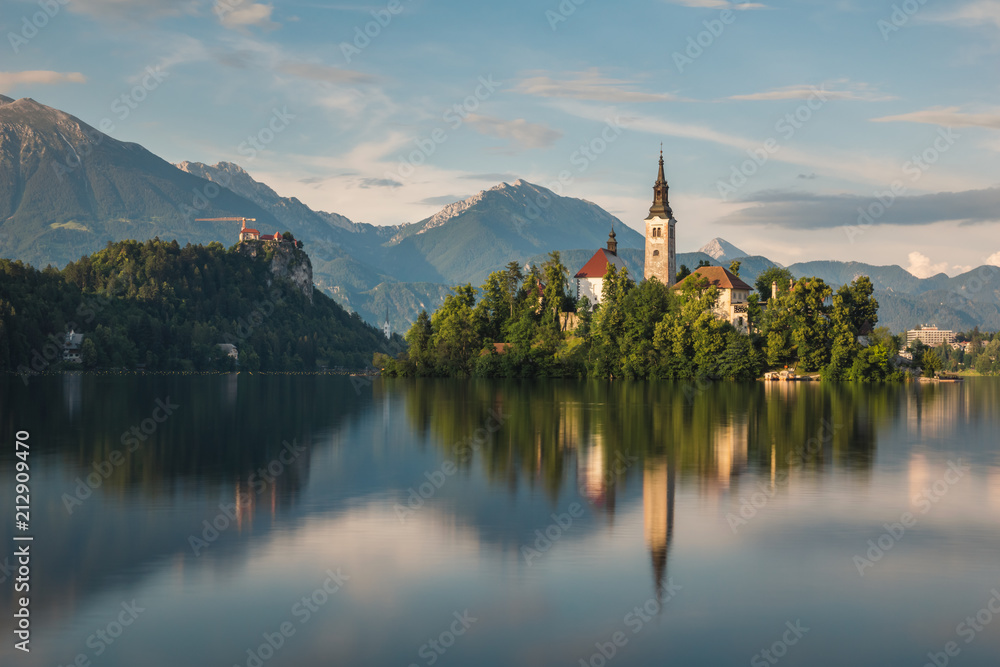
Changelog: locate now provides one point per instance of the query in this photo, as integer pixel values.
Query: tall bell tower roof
(661, 204)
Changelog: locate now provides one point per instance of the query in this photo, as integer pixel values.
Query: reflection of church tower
(658, 511)
(661, 249)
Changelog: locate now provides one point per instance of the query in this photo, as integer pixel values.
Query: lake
(304, 520)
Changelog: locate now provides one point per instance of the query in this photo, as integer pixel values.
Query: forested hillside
(167, 307)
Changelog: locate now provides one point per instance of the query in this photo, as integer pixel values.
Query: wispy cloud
(848, 165)
(325, 73)
(241, 14)
(588, 85)
(847, 91)
(796, 210)
(443, 200)
(39, 77)
(947, 116)
(518, 131)
(136, 10)
(718, 4)
(973, 14)
(379, 183)
(495, 177)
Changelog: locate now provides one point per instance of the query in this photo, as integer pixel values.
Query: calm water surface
(504, 523)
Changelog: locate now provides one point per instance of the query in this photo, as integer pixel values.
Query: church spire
(612, 243)
(661, 204)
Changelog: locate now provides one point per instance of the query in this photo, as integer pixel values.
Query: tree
(810, 330)
(88, 353)
(492, 309)
(844, 346)
(455, 340)
(555, 277)
(683, 272)
(858, 300)
(734, 267)
(512, 284)
(609, 323)
(419, 339)
(931, 363)
(775, 274)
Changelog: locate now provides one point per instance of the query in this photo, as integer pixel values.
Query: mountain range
(66, 189)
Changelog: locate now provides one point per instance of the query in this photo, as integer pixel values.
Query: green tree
(512, 284)
(555, 278)
(88, 353)
(419, 339)
(734, 267)
(775, 274)
(931, 363)
(810, 331)
(455, 337)
(844, 347)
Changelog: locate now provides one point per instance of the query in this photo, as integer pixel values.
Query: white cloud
(588, 85)
(134, 9)
(848, 165)
(39, 77)
(947, 116)
(849, 91)
(921, 267)
(973, 14)
(325, 73)
(718, 4)
(241, 14)
(518, 131)
(994, 259)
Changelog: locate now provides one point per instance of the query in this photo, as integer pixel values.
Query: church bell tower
(661, 250)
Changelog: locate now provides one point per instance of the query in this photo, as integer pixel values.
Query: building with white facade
(930, 336)
(590, 279)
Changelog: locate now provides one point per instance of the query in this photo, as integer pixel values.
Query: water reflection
(661, 463)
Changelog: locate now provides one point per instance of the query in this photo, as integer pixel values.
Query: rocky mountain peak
(721, 250)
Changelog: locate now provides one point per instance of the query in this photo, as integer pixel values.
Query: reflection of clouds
(993, 488)
(375, 549)
(918, 475)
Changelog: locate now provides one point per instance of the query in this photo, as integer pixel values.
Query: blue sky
(781, 122)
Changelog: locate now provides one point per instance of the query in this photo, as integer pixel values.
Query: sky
(799, 130)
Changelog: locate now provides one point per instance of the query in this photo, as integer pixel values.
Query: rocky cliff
(286, 260)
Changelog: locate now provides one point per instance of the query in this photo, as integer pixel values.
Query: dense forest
(514, 327)
(158, 306)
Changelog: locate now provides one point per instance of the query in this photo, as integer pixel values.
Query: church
(660, 261)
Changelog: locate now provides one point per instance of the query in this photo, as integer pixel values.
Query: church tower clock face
(661, 251)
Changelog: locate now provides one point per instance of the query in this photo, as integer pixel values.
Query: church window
(656, 253)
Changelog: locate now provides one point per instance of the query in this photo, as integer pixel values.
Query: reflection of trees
(934, 409)
(225, 428)
(712, 433)
(707, 435)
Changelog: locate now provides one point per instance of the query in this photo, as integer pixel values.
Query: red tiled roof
(597, 266)
(719, 277)
(249, 231)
